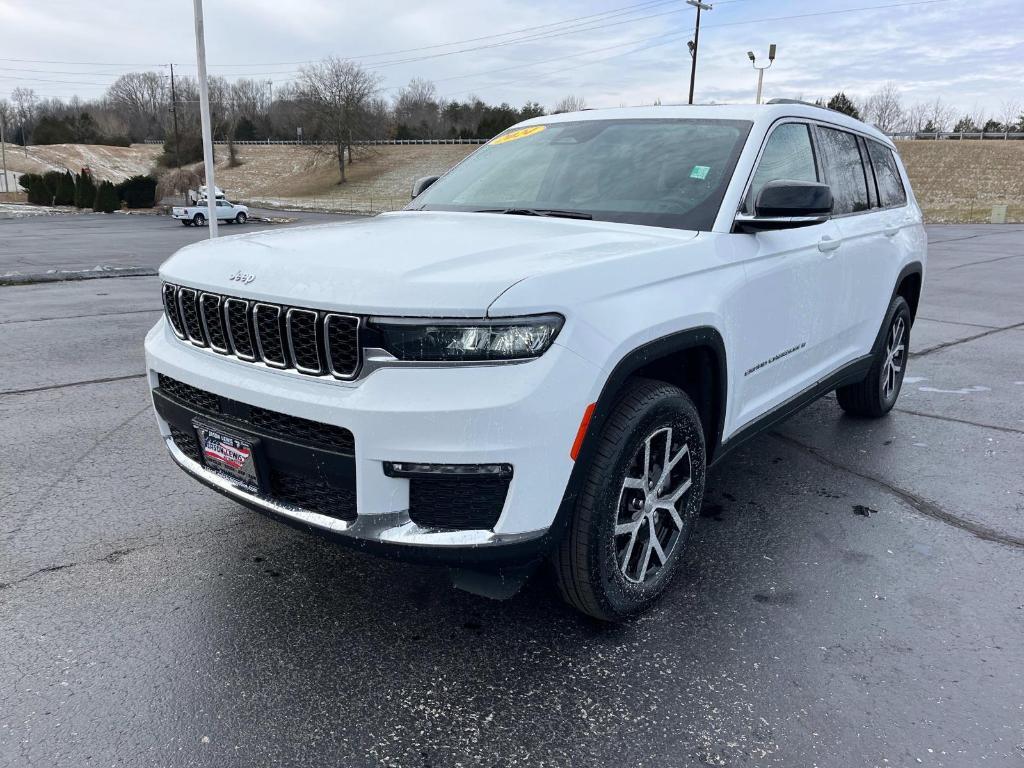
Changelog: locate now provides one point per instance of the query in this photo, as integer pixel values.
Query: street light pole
(696, 41)
(760, 70)
(3, 154)
(204, 114)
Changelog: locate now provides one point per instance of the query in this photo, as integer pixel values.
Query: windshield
(662, 172)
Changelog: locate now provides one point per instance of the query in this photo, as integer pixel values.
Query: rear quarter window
(891, 191)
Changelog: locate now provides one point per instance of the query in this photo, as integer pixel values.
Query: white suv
(540, 357)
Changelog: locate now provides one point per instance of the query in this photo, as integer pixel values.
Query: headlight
(458, 340)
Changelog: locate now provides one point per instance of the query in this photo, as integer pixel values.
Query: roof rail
(804, 103)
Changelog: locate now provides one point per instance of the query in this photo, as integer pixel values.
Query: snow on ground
(111, 163)
(24, 210)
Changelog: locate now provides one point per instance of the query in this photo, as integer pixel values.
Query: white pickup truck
(197, 214)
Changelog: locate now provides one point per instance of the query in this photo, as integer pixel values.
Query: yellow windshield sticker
(522, 133)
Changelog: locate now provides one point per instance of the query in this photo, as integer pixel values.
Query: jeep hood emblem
(242, 277)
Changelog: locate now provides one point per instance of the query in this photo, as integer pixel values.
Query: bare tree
(941, 115)
(337, 96)
(143, 98)
(884, 108)
(418, 109)
(26, 105)
(1010, 115)
(569, 104)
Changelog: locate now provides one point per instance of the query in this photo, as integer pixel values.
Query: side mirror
(786, 204)
(421, 184)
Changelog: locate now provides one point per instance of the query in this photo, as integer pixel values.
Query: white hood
(408, 263)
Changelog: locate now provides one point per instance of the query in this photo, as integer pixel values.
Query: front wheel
(638, 507)
(240, 218)
(877, 393)
(199, 220)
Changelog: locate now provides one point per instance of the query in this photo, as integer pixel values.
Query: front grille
(261, 420)
(313, 495)
(187, 443)
(457, 502)
(310, 341)
(189, 395)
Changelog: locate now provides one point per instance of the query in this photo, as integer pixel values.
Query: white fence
(369, 142)
(957, 135)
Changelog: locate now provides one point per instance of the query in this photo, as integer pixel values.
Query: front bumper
(523, 414)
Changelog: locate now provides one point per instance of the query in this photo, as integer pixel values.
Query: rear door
(784, 313)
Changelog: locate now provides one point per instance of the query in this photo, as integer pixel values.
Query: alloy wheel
(895, 358)
(649, 522)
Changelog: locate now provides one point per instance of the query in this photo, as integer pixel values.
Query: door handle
(828, 244)
(892, 231)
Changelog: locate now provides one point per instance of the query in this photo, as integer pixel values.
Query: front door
(785, 313)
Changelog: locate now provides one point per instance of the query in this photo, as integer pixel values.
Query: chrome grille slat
(304, 340)
(190, 314)
(236, 317)
(170, 297)
(266, 319)
(296, 339)
(341, 343)
(213, 322)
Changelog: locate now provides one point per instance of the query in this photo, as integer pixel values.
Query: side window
(787, 155)
(844, 170)
(890, 185)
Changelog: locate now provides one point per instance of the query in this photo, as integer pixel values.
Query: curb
(66, 275)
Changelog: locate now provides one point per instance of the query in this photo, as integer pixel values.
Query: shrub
(64, 192)
(85, 190)
(138, 191)
(106, 198)
(26, 179)
(38, 192)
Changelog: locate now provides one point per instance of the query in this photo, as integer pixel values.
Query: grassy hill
(955, 181)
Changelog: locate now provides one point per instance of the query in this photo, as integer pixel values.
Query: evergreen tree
(106, 198)
(85, 190)
(64, 194)
(842, 103)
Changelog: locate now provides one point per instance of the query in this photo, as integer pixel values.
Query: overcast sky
(626, 52)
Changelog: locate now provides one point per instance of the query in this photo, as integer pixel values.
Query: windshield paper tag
(522, 133)
(700, 171)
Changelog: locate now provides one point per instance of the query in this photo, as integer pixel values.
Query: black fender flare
(912, 268)
(679, 341)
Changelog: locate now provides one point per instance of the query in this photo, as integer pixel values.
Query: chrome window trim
(317, 339)
(231, 334)
(285, 348)
(174, 307)
(206, 325)
(327, 345)
(184, 323)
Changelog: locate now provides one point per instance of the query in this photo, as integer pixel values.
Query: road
(34, 244)
(853, 596)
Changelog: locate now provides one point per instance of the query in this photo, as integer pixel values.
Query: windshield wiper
(538, 212)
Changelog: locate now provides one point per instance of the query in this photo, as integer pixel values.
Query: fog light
(415, 469)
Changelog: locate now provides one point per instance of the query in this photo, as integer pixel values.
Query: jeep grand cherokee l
(542, 354)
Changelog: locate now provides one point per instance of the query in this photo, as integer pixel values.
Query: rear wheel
(186, 222)
(199, 220)
(877, 393)
(638, 506)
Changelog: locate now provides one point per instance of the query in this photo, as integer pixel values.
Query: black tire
(877, 393)
(199, 220)
(589, 560)
(240, 218)
(186, 222)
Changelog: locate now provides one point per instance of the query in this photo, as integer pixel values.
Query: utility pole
(204, 114)
(174, 113)
(696, 41)
(3, 153)
(760, 70)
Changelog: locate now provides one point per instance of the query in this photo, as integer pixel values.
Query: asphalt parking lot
(33, 245)
(854, 595)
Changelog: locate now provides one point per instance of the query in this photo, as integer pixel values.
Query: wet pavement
(854, 595)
